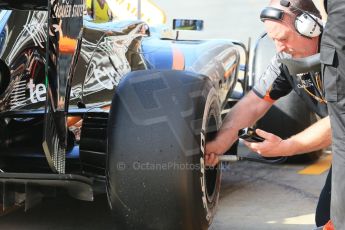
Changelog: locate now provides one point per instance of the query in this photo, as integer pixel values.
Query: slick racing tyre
(158, 125)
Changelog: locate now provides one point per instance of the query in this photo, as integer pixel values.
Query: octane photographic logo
(151, 108)
(142, 115)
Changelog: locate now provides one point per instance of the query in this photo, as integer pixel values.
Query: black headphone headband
(305, 23)
(271, 13)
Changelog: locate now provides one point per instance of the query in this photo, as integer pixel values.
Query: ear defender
(305, 24)
(308, 25)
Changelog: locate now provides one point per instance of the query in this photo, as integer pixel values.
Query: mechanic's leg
(337, 115)
(333, 54)
(322, 215)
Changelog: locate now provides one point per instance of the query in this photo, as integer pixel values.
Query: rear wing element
(65, 23)
(56, 28)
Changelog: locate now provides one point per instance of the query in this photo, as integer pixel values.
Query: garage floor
(263, 196)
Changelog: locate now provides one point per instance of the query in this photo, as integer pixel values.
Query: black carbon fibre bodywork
(58, 67)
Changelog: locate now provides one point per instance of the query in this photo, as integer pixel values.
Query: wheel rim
(211, 173)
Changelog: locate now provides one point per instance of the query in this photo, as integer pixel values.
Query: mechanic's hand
(213, 149)
(273, 145)
(211, 159)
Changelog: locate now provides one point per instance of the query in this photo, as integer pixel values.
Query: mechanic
(296, 34)
(333, 65)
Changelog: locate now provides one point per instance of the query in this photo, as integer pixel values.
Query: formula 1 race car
(85, 104)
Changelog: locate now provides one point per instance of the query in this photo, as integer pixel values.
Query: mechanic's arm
(245, 113)
(316, 136)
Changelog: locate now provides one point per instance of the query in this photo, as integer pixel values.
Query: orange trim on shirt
(329, 226)
(268, 98)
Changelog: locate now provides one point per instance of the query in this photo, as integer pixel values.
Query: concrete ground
(262, 197)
